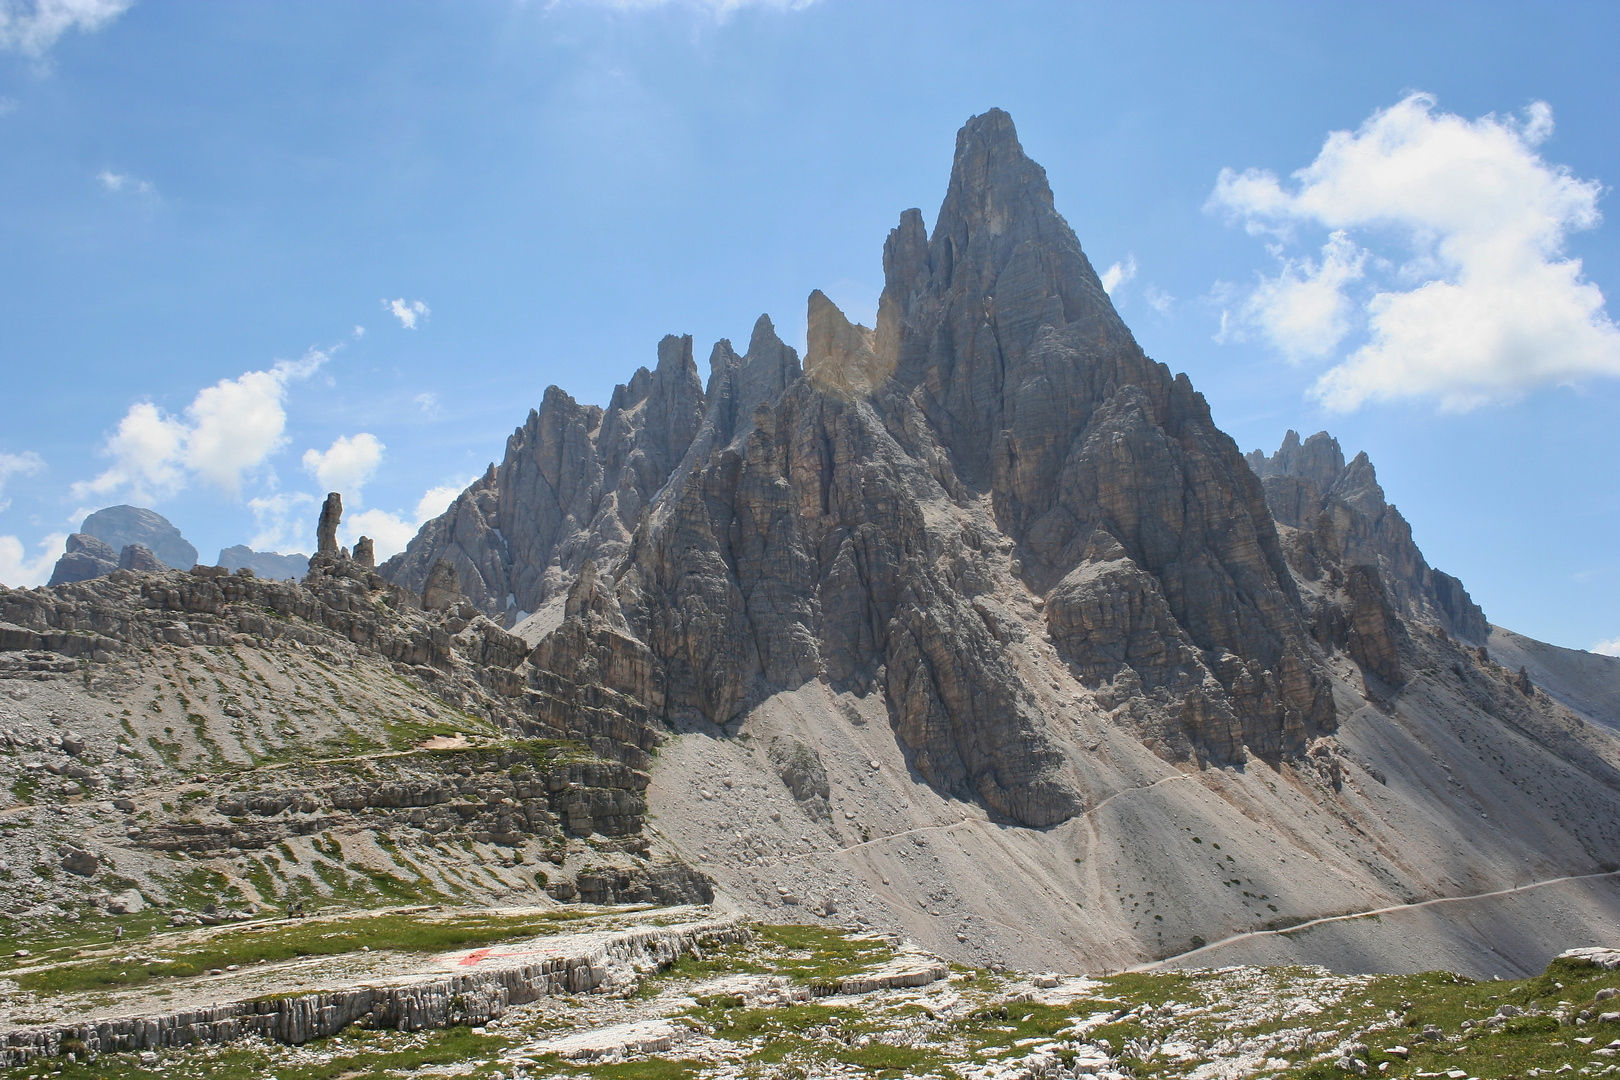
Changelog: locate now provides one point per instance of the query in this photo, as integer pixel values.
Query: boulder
(140, 557)
(128, 902)
(76, 860)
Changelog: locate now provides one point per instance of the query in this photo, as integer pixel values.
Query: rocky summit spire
(326, 530)
(961, 310)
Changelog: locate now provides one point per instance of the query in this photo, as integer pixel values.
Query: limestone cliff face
(576, 480)
(999, 439)
(1335, 519)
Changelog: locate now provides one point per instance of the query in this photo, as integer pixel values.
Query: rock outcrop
(86, 557)
(423, 1003)
(443, 588)
(326, 530)
(138, 557)
(265, 564)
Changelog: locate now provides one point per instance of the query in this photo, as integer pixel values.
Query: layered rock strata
(407, 1005)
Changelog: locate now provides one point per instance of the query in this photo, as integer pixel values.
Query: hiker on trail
(118, 933)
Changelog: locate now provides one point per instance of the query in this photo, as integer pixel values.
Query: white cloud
(19, 571)
(33, 27)
(1118, 274)
(407, 313)
(120, 181)
(347, 464)
(1479, 304)
(1608, 648)
(427, 401)
(1158, 299)
(228, 430)
(285, 518)
(1304, 311)
(390, 532)
(359, 332)
(436, 501)
(23, 464)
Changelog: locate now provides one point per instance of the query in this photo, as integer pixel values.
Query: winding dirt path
(1181, 957)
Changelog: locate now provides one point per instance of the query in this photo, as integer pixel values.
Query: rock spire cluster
(999, 443)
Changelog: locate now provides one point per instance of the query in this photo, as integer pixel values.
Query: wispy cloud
(227, 432)
(123, 181)
(18, 570)
(1480, 303)
(32, 26)
(1158, 299)
(407, 313)
(23, 464)
(285, 521)
(1118, 274)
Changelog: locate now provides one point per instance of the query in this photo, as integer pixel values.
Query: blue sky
(255, 250)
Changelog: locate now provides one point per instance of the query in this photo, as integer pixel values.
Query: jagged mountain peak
(1334, 517)
(776, 530)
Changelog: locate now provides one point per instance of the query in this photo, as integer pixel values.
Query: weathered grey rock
(443, 587)
(576, 480)
(86, 557)
(128, 902)
(471, 999)
(1374, 639)
(78, 861)
(802, 772)
(138, 557)
(364, 553)
(326, 530)
(265, 564)
(120, 526)
(594, 645)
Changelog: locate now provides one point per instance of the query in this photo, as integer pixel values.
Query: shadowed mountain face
(774, 529)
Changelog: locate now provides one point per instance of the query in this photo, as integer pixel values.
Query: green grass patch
(815, 954)
(180, 956)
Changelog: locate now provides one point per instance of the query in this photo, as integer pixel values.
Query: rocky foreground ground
(687, 993)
